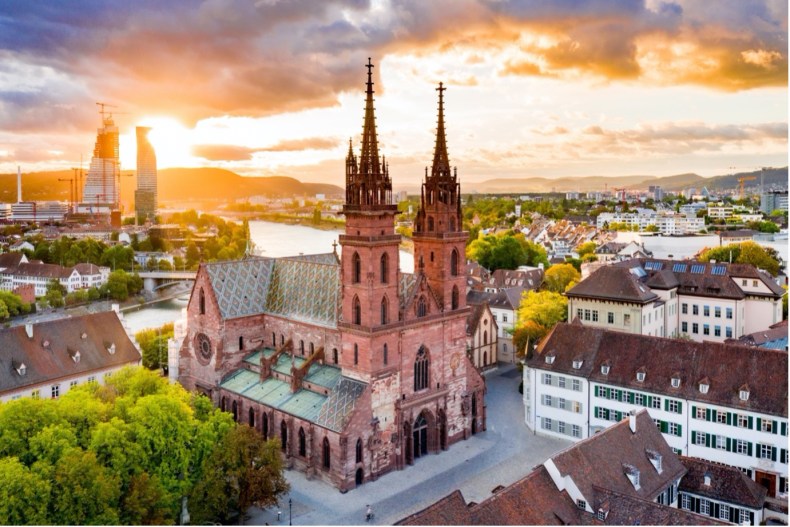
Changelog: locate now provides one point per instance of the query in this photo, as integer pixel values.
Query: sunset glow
(275, 88)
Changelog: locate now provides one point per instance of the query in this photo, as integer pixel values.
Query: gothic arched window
(312, 348)
(385, 267)
(454, 263)
(421, 367)
(385, 354)
(455, 297)
(302, 442)
(356, 268)
(265, 426)
(384, 309)
(357, 312)
(202, 302)
(430, 223)
(359, 451)
(301, 347)
(325, 453)
(283, 435)
(356, 354)
(334, 355)
(252, 418)
(274, 340)
(241, 343)
(485, 338)
(422, 307)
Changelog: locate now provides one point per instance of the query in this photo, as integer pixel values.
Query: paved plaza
(502, 454)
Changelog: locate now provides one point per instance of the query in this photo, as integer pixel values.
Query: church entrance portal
(360, 476)
(420, 437)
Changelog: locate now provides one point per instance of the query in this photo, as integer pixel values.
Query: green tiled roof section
(254, 358)
(340, 404)
(304, 404)
(268, 352)
(241, 286)
(240, 381)
(305, 291)
(322, 375)
(284, 363)
(271, 392)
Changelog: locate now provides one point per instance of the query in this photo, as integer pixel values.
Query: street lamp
(289, 511)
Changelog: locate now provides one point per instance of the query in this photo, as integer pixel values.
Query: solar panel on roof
(719, 270)
(697, 269)
(679, 268)
(654, 266)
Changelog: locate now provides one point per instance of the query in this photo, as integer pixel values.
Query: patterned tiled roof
(306, 291)
(304, 288)
(340, 404)
(408, 281)
(240, 286)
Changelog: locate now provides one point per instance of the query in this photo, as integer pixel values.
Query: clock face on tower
(203, 348)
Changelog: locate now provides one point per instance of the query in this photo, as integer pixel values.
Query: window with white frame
(610, 317)
(561, 382)
(704, 507)
(656, 403)
(55, 390)
(561, 427)
(764, 451)
(744, 517)
(743, 421)
(639, 399)
(767, 426)
(729, 313)
(581, 504)
(721, 442)
(72, 384)
(576, 431)
(741, 447)
(546, 378)
(721, 417)
(700, 413)
(547, 400)
(724, 512)
(595, 315)
(576, 385)
(674, 429)
(673, 406)
(685, 502)
(699, 439)
(546, 423)
(576, 407)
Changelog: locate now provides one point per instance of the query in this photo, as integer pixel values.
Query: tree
(153, 344)
(537, 314)
(116, 285)
(242, 470)
(585, 249)
(559, 276)
(747, 252)
(83, 491)
(24, 494)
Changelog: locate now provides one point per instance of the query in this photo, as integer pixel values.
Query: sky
(550, 88)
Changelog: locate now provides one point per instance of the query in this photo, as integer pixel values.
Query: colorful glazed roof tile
(240, 286)
(340, 404)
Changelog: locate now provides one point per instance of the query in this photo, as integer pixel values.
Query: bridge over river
(155, 280)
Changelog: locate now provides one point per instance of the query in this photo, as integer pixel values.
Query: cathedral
(355, 367)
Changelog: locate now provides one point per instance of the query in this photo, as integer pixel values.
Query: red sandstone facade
(396, 341)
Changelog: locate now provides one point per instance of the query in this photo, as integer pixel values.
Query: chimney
(632, 421)
(19, 184)
(29, 330)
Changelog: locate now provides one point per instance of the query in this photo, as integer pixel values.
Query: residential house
(723, 403)
(775, 337)
(481, 337)
(40, 275)
(701, 301)
(49, 358)
(504, 308)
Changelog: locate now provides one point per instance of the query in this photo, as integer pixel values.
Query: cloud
(310, 143)
(223, 152)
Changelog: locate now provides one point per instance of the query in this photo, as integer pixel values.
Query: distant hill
(772, 176)
(186, 184)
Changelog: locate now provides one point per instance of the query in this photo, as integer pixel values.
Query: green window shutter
(784, 429)
(596, 390)
(666, 405)
(694, 412)
(664, 427)
(707, 440)
(619, 416)
(759, 424)
(680, 431)
(773, 453)
(693, 437)
(631, 397)
(775, 428)
(729, 418)
(751, 423)
(648, 400)
(748, 449)
(707, 414)
(680, 407)
(729, 445)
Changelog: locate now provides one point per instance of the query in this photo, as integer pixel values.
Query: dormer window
(633, 475)
(605, 369)
(703, 387)
(84, 336)
(45, 343)
(550, 359)
(577, 364)
(640, 376)
(676, 382)
(76, 357)
(656, 459)
(744, 394)
(601, 514)
(21, 369)
(111, 349)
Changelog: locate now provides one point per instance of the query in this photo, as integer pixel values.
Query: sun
(171, 140)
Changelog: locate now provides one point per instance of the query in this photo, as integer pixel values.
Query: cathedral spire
(441, 162)
(369, 160)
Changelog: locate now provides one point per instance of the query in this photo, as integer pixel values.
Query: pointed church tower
(370, 252)
(439, 239)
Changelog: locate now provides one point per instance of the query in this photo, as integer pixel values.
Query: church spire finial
(369, 160)
(441, 161)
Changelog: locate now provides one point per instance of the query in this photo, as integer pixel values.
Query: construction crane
(72, 184)
(741, 181)
(620, 192)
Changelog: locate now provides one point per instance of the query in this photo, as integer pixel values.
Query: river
(274, 240)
